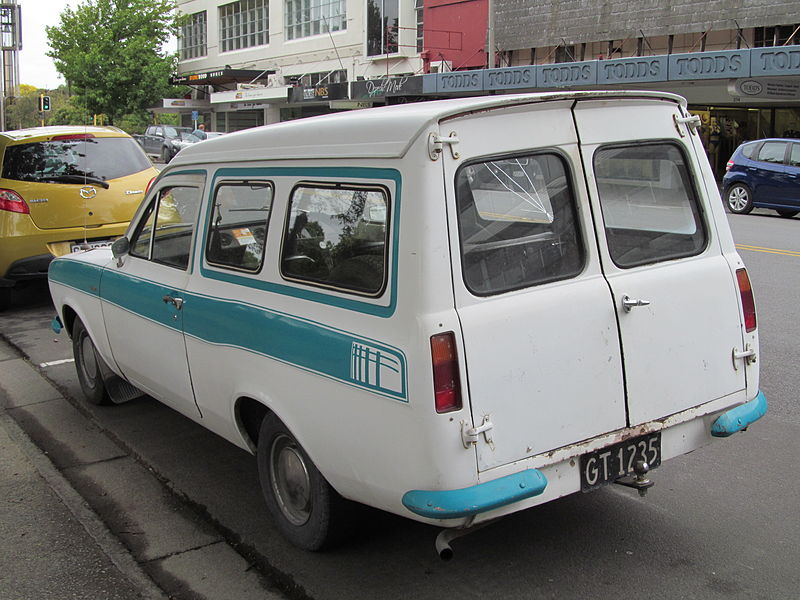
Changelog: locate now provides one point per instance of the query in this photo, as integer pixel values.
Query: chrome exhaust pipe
(446, 536)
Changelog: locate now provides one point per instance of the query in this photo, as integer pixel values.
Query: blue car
(764, 174)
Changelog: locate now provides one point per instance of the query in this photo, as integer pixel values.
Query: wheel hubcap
(88, 361)
(737, 198)
(290, 481)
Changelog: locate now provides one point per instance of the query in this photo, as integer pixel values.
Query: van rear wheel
(303, 505)
(739, 199)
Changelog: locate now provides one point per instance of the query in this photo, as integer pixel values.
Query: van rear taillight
(446, 386)
(13, 202)
(748, 303)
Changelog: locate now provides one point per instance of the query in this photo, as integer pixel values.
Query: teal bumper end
(741, 417)
(452, 504)
(56, 325)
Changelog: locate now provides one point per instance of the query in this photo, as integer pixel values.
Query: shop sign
(788, 89)
(567, 74)
(778, 60)
(184, 103)
(320, 93)
(641, 69)
(510, 78)
(392, 86)
(348, 104)
(453, 82)
(724, 64)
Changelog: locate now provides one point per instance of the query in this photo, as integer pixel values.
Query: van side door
(143, 297)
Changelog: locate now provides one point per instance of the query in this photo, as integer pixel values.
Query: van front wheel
(303, 505)
(87, 363)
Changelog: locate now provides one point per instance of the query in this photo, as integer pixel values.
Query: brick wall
(538, 23)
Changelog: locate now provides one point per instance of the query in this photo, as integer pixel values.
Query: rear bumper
(32, 267)
(452, 504)
(739, 418)
(539, 479)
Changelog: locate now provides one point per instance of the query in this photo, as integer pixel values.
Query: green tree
(112, 54)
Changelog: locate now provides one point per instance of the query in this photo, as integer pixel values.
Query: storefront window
(243, 24)
(192, 39)
(305, 18)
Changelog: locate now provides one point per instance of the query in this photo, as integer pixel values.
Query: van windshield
(97, 159)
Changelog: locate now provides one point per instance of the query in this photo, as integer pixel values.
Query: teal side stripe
(79, 275)
(337, 354)
(741, 417)
(452, 504)
(308, 292)
(142, 297)
(355, 360)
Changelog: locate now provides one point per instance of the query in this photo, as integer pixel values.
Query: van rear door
(673, 290)
(541, 344)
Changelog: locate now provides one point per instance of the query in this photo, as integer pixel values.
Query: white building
(244, 58)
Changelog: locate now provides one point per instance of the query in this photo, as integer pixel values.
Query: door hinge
(748, 355)
(436, 144)
(469, 435)
(692, 122)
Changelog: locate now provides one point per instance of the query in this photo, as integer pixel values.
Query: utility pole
(490, 36)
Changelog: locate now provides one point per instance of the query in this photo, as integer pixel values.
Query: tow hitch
(639, 480)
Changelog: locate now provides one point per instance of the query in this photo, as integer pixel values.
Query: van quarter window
(649, 206)
(337, 237)
(517, 222)
(238, 226)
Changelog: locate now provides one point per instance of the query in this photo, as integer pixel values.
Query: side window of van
(517, 222)
(337, 237)
(164, 234)
(649, 206)
(238, 225)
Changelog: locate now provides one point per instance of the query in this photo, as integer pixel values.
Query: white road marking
(56, 362)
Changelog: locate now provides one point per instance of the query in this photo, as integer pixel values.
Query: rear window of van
(93, 157)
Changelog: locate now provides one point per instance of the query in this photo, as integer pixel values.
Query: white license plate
(81, 246)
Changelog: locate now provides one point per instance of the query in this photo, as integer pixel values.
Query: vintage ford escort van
(448, 310)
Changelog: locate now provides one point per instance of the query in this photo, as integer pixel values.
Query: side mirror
(120, 248)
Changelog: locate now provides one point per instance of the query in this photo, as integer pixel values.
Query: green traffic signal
(45, 103)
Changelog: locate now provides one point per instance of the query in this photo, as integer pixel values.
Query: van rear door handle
(628, 303)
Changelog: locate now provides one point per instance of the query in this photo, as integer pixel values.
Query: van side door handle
(628, 303)
(176, 302)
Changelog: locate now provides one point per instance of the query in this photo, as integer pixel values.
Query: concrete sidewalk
(80, 517)
(52, 545)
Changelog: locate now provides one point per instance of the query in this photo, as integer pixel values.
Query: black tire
(787, 214)
(739, 199)
(305, 508)
(165, 155)
(87, 363)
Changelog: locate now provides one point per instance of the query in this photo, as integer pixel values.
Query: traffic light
(44, 102)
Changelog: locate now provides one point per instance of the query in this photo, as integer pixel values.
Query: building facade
(261, 61)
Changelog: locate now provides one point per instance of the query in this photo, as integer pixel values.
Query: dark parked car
(159, 141)
(765, 174)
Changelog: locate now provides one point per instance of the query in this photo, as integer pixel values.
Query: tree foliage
(112, 54)
(23, 110)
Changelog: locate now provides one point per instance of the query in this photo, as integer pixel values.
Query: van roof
(385, 132)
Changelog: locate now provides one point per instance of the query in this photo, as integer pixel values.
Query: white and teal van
(449, 310)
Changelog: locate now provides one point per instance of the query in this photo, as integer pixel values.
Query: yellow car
(62, 190)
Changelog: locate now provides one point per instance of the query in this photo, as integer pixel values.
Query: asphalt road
(721, 522)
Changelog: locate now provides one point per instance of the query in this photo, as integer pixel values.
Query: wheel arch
(249, 414)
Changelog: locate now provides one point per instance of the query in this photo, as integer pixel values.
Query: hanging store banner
(778, 60)
(725, 64)
(641, 69)
(385, 87)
